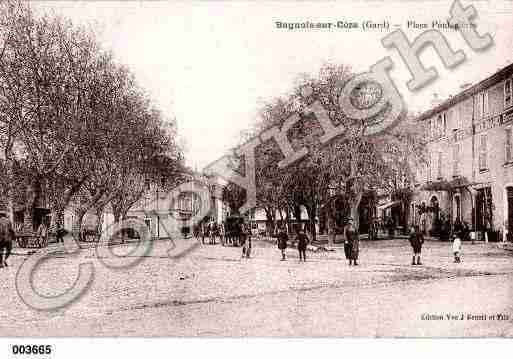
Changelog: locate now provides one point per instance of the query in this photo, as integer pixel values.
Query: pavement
(212, 291)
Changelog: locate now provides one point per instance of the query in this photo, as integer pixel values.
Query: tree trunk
(354, 206)
(269, 220)
(117, 214)
(33, 196)
(311, 211)
(10, 178)
(99, 220)
(331, 231)
(297, 215)
(287, 220)
(77, 224)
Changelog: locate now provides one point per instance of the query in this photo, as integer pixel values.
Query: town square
(219, 169)
(215, 292)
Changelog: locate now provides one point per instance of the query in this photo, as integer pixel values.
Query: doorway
(484, 209)
(457, 206)
(509, 193)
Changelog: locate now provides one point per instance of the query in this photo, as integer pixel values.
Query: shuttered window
(428, 169)
(439, 126)
(486, 107)
(507, 93)
(507, 149)
(456, 159)
(478, 106)
(444, 119)
(439, 164)
(483, 153)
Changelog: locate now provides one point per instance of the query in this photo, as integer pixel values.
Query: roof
(486, 83)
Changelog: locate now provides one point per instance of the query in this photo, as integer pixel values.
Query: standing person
(391, 227)
(458, 226)
(60, 233)
(6, 238)
(222, 234)
(41, 235)
(204, 230)
(352, 242)
(347, 246)
(456, 248)
(247, 240)
(416, 242)
(243, 241)
(282, 242)
(465, 233)
(211, 232)
(302, 242)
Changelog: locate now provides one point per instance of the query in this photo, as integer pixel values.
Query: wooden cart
(30, 240)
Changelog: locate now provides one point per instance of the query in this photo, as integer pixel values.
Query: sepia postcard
(255, 169)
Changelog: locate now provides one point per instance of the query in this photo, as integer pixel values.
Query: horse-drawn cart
(233, 230)
(30, 240)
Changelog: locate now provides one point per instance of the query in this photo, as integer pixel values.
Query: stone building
(469, 171)
(162, 210)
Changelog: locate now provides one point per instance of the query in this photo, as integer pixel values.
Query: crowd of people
(351, 243)
(239, 234)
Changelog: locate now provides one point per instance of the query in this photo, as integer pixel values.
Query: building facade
(163, 210)
(468, 174)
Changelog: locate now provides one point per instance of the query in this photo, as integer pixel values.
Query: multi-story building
(185, 206)
(468, 175)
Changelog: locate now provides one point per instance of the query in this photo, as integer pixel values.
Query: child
(416, 242)
(302, 242)
(246, 246)
(456, 248)
(282, 242)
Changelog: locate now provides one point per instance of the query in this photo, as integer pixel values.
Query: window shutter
(486, 103)
(456, 159)
(439, 164)
(429, 168)
(507, 93)
(445, 124)
(482, 153)
(508, 145)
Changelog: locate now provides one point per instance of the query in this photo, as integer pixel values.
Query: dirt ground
(211, 291)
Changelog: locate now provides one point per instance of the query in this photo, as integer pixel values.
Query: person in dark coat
(6, 238)
(465, 232)
(351, 243)
(246, 233)
(416, 242)
(302, 242)
(60, 232)
(458, 226)
(282, 242)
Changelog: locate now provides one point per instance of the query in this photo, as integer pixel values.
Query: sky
(211, 65)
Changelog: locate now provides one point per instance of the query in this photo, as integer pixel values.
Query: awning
(388, 205)
(448, 186)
